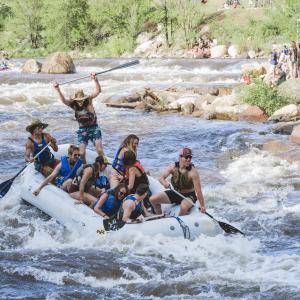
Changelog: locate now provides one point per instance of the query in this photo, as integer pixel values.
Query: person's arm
(197, 185)
(61, 96)
(128, 207)
(29, 149)
(163, 177)
(87, 174)
(97, 86)
(100, 203)
(131, 178)
(51, 139)
(50, 178)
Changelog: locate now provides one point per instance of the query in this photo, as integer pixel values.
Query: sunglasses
(187, 157)
(121, 193)
(76, 155)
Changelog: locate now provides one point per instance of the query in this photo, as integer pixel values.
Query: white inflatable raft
(60, 206)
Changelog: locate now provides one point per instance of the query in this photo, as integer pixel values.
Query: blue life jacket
(138, 207)
(274, 59)
(46, 155)
(111, 206)
(118, 162)
(102, 182)
(65, 171)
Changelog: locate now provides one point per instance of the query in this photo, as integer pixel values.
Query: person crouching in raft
(45, 162)
(132, 208)
(85, 182)
(64, 172)
(186, 180)
(110, 201)
(86, 116)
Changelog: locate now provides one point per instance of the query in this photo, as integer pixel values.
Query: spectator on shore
(279, 77)
(274, 60)
(298, 56)
(293, 53)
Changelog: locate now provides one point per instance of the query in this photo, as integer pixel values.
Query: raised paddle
(129, 64)
(226, 227)
(5, 186)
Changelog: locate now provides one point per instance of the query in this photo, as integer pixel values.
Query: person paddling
(132, 208)
(110, 201)
(64, 172)
(131, 142)
(186, 180)
(86, 116)
(45, 162)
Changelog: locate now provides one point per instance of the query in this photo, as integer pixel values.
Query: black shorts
(175, 198)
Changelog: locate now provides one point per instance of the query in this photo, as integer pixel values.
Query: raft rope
(185, 228)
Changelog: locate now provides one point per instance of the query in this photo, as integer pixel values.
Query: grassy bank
(98, 28)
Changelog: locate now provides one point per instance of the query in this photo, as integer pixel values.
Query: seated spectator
(279, 77)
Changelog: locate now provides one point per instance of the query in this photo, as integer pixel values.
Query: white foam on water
(256, 174)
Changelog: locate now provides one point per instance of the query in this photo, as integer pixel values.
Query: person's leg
(88, 199)
(158, 199)
(82, 148)
(99, 147)
(67, 185)
(185, 207)
(95, 136)
(82, 139)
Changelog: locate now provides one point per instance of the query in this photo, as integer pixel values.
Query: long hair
(128, 142)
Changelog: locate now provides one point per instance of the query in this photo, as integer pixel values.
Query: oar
(129, 64)
(5, 186)
(226, 227)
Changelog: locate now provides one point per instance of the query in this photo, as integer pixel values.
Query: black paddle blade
(229, 228)
(113, 224)
(4, 187)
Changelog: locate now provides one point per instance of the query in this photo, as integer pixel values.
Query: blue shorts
(89, 133)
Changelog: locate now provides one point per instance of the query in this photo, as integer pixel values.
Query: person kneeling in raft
(45, 162)
(85, 182)
(110, 201)
(131, 208)
(64, 172)
(186, 180)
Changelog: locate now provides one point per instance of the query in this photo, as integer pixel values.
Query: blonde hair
(72, 148)
(128, 142)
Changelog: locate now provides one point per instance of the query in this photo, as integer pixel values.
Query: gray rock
(58, 63)
(32, 66)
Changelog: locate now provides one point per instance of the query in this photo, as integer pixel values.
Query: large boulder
(253, 114)
(32, 66)
(143, 48)
(286, 114)
(218, 51)
(291, 88)
(251, 54)
(58, 63)
(255, 69)
(233, 51)
(284, 128)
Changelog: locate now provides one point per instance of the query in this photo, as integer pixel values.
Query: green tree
(5, 12)
(66, 23)
(26, 23)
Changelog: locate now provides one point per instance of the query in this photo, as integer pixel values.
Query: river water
(249, 188)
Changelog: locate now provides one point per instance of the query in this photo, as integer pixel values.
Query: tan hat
(79, 96)
(35, 123)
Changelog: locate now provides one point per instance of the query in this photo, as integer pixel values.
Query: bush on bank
(261, 94)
